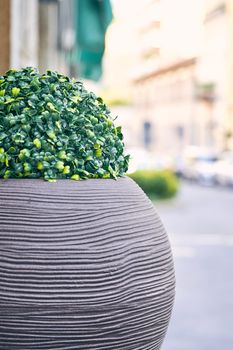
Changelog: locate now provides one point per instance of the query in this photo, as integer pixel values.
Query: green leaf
(40, 166)
(51, 107)
(7, 174)
(59, 165)
(62, 154)
(75, 177)
(37, 143)
(15, 91)
(66, 170)
(27, 167)
(51, 135)
(98, 153)
(24, 153)
(3, 135)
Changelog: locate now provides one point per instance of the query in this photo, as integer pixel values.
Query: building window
(147, 134)
(179, 132)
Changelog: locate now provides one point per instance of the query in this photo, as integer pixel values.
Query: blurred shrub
(156, 183)
(117, 102)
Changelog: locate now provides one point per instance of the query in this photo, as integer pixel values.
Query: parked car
(205, 170)
(199, 165)
(224, 170)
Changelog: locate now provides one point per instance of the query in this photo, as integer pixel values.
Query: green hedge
(156, 183)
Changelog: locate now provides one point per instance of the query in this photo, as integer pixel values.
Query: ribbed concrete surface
(83, 265)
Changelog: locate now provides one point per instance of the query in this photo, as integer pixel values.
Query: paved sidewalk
(200, 226)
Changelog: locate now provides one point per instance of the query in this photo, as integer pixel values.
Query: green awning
(92, 18)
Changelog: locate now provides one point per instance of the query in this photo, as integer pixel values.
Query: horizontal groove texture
(83, 265)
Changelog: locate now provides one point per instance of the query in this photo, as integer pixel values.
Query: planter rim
(120, 186)
(2, 180)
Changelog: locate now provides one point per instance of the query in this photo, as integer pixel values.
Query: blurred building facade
(229, 118)
(33, 33)
(64, 35)
(166, 107)
(185, 96)
(165, 78)
(212, 76)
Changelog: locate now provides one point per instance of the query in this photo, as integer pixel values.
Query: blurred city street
(199, 222)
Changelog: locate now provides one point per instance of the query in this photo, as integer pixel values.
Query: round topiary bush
(52, 128)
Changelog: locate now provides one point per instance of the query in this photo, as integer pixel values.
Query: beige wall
(4, 35)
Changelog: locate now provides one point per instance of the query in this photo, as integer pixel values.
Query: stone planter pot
(83, 265)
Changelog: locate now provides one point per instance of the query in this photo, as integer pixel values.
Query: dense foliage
(52, 128)
(157, 184)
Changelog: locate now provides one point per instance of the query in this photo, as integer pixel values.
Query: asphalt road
(200, 227)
